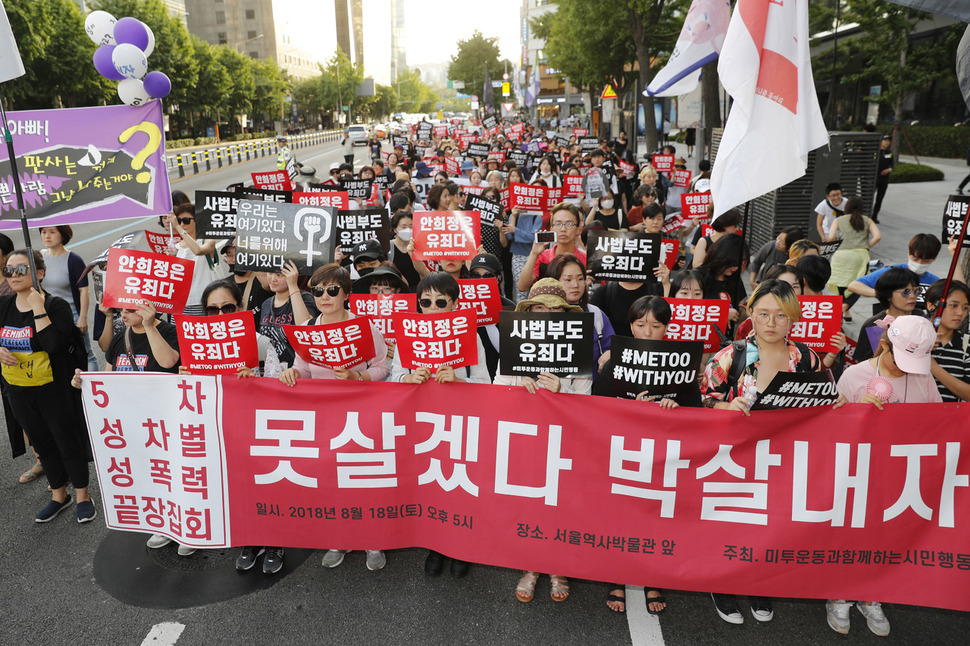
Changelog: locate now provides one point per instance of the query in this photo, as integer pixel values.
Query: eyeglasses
(19, 270)
(330, 290)
(440, 303)
(184, 221)
(483, 275)
(213, 310)
(382, 290)
(906, 293)
(563, 225)
(764, 317)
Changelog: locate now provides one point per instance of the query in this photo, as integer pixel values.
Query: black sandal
(657, 599)
(612, 596)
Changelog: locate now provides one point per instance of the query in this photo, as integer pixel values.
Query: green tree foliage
(414, 95)
(379, 106)
(272, 87)
(475, 54)
(339, 81)
(239, 67)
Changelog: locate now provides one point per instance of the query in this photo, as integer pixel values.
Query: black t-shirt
(257, 296)
(402, 260)
(44, 358)
(272, 318)
(615, 301)
(117, 355)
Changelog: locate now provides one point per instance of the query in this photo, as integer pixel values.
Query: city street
(65, 583)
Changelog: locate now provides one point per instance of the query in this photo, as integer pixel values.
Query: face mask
(404, 234)
(239, 272)
(918, 267)
(607, 204)
(546, 173)
(364, 271)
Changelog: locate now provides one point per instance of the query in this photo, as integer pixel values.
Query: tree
(213, 76)
(414, 95)
(475, 55)
(242, 86)
(339, 82)
(272, 87)
(379, 106)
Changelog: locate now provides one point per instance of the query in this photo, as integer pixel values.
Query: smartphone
(546, 237)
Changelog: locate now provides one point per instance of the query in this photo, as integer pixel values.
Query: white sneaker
(157, 541)
(875, 617)
(375, 560)
(185, 550)
(333, 558)
(837, 614)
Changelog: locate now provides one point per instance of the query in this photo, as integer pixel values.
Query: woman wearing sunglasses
(201, 252)
(897, 290)
(330, 287)
(36, 331)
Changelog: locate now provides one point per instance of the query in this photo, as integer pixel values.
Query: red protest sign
(435, 340)
(481, 295)
(134, 276)
(580, 132)
(335, 345)
(217, 344)
(497, 155)
(528, 197)
(160, 242)
(503, 198)
(821, 321)
(663, 163)
(673, 223)
(276, 180)
(627, 169)
(338, 199)
(441, 131)
(691, 320)
(572, 185)
(380, 308)
(707, 230)
(464, 140)
(446, 234)
(682, 178)
(695, 205)
(669, 252)
(452, 166)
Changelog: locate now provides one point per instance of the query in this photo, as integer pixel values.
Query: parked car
(358, 134)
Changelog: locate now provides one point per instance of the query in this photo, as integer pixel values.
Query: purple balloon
(102, 63)
(157, 85)
(133, 31)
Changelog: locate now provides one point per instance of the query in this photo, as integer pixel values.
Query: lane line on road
(164, 634)
(644, 627)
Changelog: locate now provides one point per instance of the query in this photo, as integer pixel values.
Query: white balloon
(151, 41)
(132, 92)
(100, 27)
(129, 61)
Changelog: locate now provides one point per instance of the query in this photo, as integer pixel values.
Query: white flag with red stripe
(699, 43)
(775, 120)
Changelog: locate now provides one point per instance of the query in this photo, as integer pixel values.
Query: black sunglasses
(184, 221)
(440, 303)
(487, 274)
(19, 270)
(331, 290)
(212, 310)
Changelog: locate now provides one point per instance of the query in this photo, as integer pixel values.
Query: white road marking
(165, 634)
(644, 627)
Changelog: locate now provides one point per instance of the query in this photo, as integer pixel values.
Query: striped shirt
(954, 359)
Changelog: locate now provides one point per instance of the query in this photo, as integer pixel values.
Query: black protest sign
(554, 342)
(489, 122)
(357, 189)
(399, 140)
(953, 215)
(271, 234)
(520, 158)
(623, 255)
(424, 130)
(562, 142)
(264, 194)
(381, 183)
(489, 209)
(478, 150)
(215, 214)
(589, 144)
(353, 227)
(798, 390)
(127, 241)
(659, 368)
(827, 249)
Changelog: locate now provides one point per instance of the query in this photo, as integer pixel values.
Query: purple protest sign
(86, 164)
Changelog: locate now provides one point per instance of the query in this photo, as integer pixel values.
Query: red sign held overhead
(528, 197)
(452, 166)
(160, 242)
(580, 132)
(682, 178)
(670, 249)
(663, 163)
(217, 344)
(446, 234)
(695, 204)
(335, 345)
(276, 180)
(134, 276)
(339, 200)
(691, 320)
(572, 185)
(435, 340)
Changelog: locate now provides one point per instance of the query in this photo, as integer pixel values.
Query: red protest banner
(380, 308)
(334, 345)
(627, 169)
(276, 180)
(338, 199)
(464, 140)
(669, 253)
(691, 320)
(673, 223)
(580, 132)
(441, 131)
(133, 276)
(481, 295)
(681, 177)
(217, 344)
(452, 166)
(821, 321)
(160, 242)
(695, 204)
(816, 505)
(498, 155)
(572, 185)
(446, 234)
(435, 340)
(663, 163)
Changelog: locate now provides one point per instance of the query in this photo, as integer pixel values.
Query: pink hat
(913, 338)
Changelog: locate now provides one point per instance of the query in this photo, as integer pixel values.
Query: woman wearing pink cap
(899, 373)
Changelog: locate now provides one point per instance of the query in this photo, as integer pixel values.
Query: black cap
(368, 250)
(362, 284)
(486, 261)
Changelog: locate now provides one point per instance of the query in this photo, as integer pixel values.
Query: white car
(358, 134)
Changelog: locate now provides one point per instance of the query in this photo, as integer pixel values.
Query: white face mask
(918, 267)
(545, 173)
(607, 204)
(404, 234)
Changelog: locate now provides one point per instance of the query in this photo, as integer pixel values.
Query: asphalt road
(64, 583)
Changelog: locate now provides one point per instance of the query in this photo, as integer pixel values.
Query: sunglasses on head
(19, 270)
(330, 290)
(184, 221)
(213, 310)
(440, 303)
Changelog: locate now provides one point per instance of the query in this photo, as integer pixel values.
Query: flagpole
(949, 276)
(8, 137)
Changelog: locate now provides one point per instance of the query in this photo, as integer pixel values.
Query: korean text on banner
(435, 340)
(335, 345)
(694, 320)
(217, 344)
(446, 234)
(483, 296)
(134, 276)
(820, 323)
(380, 309)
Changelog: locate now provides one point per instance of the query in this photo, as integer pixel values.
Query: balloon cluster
(122, 55)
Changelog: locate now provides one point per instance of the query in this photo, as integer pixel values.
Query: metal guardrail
(197, 161)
